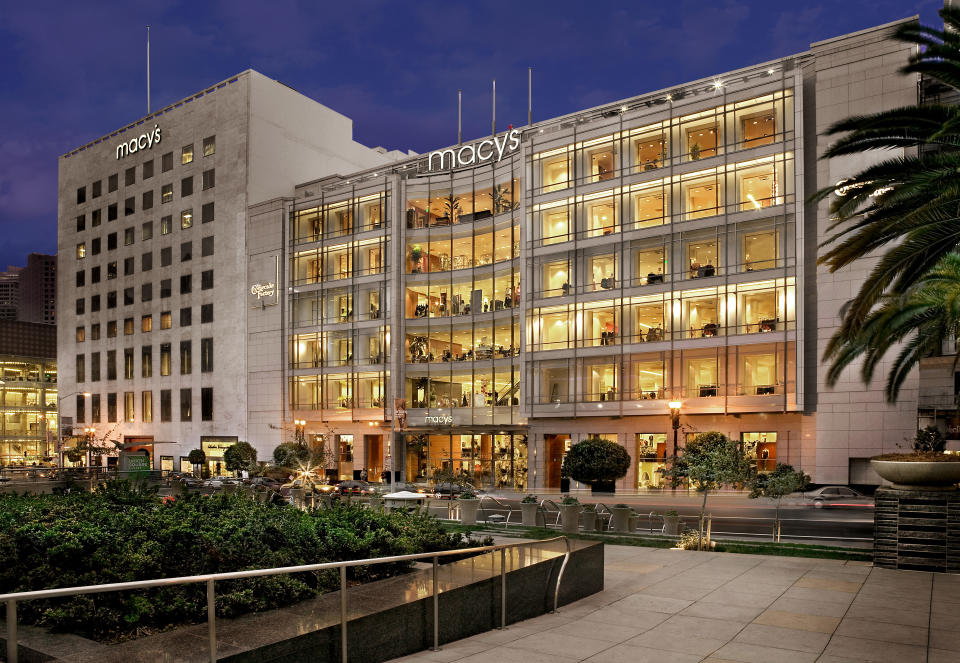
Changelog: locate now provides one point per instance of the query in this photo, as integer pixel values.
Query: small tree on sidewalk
(596, 462)
(240, 456)
(197, 457)
(776, 485)
(710, 460)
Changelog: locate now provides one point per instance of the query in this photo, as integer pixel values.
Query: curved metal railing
(210, 579)
(501, 505)
(543, 509)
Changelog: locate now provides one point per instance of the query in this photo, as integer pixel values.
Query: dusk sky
(74, 71)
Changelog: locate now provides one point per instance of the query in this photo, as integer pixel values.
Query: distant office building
(28, 393)
(29, 294)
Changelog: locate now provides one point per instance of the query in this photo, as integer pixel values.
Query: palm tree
(922, 319)
(906, 206)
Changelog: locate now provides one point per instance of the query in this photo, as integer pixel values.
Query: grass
(648, 541)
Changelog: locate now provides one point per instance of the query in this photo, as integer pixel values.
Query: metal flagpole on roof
(530, 96)
(459, 117)
(148, 70)
(494, 106)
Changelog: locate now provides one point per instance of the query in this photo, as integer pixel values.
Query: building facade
(153, 249)
(28, 393)
(476, 310)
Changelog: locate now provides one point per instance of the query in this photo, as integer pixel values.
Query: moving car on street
(838, 497)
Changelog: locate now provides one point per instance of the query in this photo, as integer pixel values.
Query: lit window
(186, 218)
(166, 320)
(186, 154)
(166, 225)
(146, 323)
(166, 193)
(209, 145)
(81, 250)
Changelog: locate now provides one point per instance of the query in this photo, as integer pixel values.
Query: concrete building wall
(850, 75)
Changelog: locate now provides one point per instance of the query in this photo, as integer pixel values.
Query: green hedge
(119, 534)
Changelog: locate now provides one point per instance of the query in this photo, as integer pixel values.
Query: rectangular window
(95, 274)
(146, 406)
(80, 306)
(129, 266)
(129, 236)
(146, 231)
(95, 246)
(81, 277)
(164, 359)
(209, 145)
(206, 313)
(95, 303)
(555, 173)
(186, 284)
(111, 364)
(186, 187)
(128, 363)
(147, 200)
(186, 154)
(81, 195)
(186, 315)
(81, 334)
(166, 256)
(186, 219)
(130, 176)
(81, 373)
(147, 169)
(206, 403)
(166, 163)
(81, 408)
(206, 355)
(146, 292)
(112, 329)
(96, 189)
(112, 212)
(186, 410)
(146, 262)
(206, 213)
(129, 206)
(206, 246)
(166, 321)
(95, 367)
(165, 405)
(209, 179)
(128, 326)
(112, 299)
(166, 288)
(112, 183)
(128, 296)
(206, 279)
(166, 225)
(128, 406)
(95, 332)
(112, 242)
(81, 251)
(146, 324)
(166, 193)
(146, 361)
(186, 251)
(81, 222)
(95, 413)
(95, 218)
(186, 357)
(111, 270)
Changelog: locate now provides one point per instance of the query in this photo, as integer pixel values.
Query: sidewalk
(670, 606)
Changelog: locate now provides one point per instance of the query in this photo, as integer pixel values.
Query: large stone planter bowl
(932, 474)
(528, 512)
(570, 518)
(468, 511)
(621, 519)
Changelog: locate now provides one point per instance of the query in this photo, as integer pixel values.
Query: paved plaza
(671, 606)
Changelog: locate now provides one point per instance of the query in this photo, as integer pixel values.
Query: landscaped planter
(528, 512)
(570, 518)
(671, 524)
(621, 519)
(589, 521)
(908, 473)
(468, 511)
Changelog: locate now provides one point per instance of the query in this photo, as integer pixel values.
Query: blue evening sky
(73, 71)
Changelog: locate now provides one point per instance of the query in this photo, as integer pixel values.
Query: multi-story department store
(478, 309)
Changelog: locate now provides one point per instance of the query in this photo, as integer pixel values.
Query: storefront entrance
(556, 447)
(651, 454)
(373, 460)
(214, 447)
(486, 460)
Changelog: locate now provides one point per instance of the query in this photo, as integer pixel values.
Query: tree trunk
(776, 523)
(703, 510)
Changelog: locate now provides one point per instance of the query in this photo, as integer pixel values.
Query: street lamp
(675, 419)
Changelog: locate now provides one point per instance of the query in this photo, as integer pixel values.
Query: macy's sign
(489, 150)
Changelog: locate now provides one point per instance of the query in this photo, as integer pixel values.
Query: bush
(119, 534)
(240, 456)
(929, 440)
(596, 460)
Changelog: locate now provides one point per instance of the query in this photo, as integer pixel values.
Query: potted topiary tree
(468, 507)
(927, 467)
(620, 513)
(597, 462)
(570, 515)
(529, 507)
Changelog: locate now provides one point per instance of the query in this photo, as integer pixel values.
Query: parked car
(219, 482)
(353, 487)
(838, 497)
(272, 484)
(449, 490)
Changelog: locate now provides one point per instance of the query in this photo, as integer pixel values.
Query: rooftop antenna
(494, 106)
(148, 70)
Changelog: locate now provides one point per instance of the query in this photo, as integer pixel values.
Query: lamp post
(675, 419)
(90, 433)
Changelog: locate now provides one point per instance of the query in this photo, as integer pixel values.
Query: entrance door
(373, 452)
(556, 446)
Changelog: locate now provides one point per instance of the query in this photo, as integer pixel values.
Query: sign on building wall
(266, 292)
(491, 150)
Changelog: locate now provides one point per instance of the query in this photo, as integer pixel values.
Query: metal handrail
(210, 579)
(555, 506)
(502, 505)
